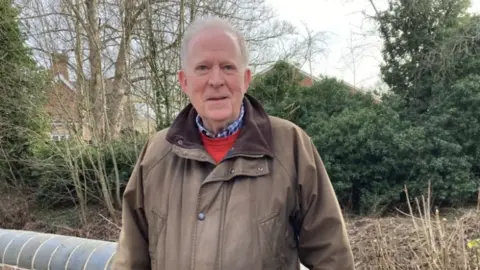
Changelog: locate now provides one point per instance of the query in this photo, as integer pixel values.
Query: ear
(247, 78)
(182, 80)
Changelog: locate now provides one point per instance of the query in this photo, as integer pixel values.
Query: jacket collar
(255, 138)
(232, 128)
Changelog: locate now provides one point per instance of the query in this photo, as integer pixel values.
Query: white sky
(344, 21)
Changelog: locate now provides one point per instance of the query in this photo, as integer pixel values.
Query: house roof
(314, 78)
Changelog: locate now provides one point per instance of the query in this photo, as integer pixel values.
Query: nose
(216, 79)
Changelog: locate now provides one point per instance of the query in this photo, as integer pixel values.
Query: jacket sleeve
(322, 236)
(132, 250)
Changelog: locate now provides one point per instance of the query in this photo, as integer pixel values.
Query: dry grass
(18, 210)
(420, 239)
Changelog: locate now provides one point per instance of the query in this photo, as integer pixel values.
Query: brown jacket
(181, 211)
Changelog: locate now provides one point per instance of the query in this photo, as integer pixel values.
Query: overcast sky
(347, 28)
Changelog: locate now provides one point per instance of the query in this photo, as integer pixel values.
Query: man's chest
(213, 214)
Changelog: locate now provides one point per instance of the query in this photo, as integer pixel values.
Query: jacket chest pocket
(155, 232)
(277, 242)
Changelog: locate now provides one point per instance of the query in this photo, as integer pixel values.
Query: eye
(202, 67)
(229, 67)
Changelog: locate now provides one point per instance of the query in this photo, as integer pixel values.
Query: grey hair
(204, 23)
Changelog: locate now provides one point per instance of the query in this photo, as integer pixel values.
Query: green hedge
(370, 151)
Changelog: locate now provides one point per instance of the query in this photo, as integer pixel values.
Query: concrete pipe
(40, 251)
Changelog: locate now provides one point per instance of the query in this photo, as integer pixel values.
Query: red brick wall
(306, 81)
(61, 103)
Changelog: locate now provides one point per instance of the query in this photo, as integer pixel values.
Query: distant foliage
(64, 161)
(278, 89)
(413, 32)
(371, 150)
(22, 88)
(433, 69)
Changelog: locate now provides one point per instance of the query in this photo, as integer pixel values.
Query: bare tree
(124, 55)
(353, 56)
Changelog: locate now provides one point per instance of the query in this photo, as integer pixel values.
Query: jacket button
(232, 171)
(201, 216)
(180, 142)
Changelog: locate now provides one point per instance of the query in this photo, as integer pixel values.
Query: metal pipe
(42, 251)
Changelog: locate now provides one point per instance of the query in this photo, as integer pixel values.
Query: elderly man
(228, 186)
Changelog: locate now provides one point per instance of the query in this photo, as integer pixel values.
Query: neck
(216, 126)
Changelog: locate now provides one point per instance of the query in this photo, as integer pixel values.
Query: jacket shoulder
(290, 140)
(278, 122)
(160, 136)
(282, 126)
(157, 147)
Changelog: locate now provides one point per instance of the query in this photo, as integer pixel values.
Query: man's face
(215, 77)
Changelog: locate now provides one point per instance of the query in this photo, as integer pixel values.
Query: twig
(65, 228)
(110, 222)
(478, 200)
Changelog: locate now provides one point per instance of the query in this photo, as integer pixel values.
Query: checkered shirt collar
(232, 128)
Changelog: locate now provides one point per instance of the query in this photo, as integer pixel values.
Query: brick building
(61, 104)
(64, 108)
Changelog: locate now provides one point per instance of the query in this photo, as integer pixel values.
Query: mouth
(216, 98)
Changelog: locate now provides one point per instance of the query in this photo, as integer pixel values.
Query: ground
(436, 241)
